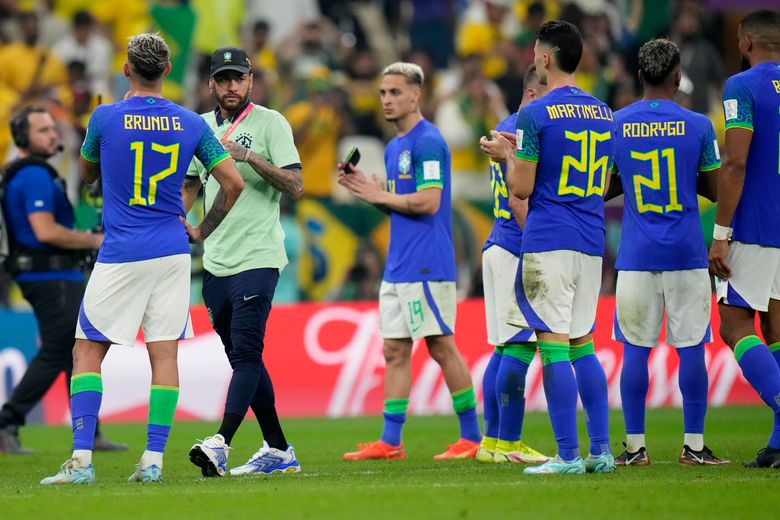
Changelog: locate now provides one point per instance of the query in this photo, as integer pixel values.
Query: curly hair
(657, 59)
(148, 55)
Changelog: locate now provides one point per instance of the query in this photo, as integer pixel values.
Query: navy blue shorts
(238, 308)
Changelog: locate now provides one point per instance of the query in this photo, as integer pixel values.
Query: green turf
(415, 488)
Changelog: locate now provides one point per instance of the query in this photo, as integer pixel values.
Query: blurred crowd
(318, 63)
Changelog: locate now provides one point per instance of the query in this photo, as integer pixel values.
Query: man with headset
(45, 261)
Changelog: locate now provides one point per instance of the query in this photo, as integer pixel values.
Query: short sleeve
(209, 151)
(738, 103)
(710, 154)
(280, 143)
(37, 190)
(429, 157)
(90, 148)
(527, 135)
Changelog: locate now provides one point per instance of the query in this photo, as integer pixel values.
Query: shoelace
(210, 442)
(259, 453)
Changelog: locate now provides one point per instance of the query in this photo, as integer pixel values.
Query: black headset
(20, 126)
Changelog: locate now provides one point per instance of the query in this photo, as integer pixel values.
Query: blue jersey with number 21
(144, 146)
(568, 133)
(506, 232)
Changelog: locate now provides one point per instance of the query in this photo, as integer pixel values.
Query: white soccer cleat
(211, 455)
(71, 473)
(151, 473)
(269, 460)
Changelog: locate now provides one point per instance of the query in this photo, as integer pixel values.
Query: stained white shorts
(499, 271)
(153, 294)
(417, 309)
(755, 277)
(641, 297)
(560, 291)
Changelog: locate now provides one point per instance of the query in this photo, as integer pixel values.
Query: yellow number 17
(138, 148)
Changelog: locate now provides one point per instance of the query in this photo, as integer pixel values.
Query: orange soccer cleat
(463, 449)
(376, 450)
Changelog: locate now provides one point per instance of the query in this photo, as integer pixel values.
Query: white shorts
(639, 307)
(560, 291)
(153, 294)
(499, 270)
(755, 277)
(416, 309)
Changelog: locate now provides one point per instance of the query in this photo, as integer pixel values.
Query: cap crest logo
(228, 56)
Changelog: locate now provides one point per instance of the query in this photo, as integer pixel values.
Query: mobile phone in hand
(353, 157)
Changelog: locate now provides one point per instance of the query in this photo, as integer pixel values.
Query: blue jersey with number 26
(569, 134)
(144, 146)
(506, 232)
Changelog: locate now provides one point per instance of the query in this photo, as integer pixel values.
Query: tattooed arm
(287, 180)
(189, 192)
(230, 186)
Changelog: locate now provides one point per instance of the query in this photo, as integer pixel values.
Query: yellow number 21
(138, 148)
(654, 182)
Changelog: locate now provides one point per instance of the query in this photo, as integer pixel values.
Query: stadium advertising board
(326, 360)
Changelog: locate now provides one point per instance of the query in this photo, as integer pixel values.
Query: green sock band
(464, 400)
(553, 352)
(774, 347)
(578, 351)
(396, 406)
(744, 345)
(499, 349)
(162, 404)
(86, 382)
(524, 352)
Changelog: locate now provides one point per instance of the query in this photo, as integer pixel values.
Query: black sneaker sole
(200, 459)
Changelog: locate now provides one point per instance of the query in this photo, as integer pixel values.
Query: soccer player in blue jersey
(748, 268)
(140, 148)
(503, 384)
(663, 153)
(417, 298)
(564, 150)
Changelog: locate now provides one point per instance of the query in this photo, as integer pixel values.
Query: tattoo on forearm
(289, 182)
(215, 215)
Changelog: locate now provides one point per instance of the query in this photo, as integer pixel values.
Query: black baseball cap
(229, 58)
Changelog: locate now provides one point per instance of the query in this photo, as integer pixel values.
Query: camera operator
(46, 260)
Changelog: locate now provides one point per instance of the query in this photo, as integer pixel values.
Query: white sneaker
(269, 460)
(210, 455)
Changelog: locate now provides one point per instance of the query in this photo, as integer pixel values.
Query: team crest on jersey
(244, 140)
(405, 162)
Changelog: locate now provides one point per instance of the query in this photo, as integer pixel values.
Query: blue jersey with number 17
(568, 133)
(751, 100)
(506, 232)
(659, 149)
(144, 146)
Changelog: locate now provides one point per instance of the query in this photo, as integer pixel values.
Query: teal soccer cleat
(71, 473)
(148, 474)
(557, 465)
(604, 463)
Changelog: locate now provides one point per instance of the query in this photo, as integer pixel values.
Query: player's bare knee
(442, 348)
(396, 351)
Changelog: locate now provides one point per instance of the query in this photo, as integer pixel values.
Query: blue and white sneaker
(558, 465)
(151, 473)
(210, 455)
(604, 463)
(269, 460)
(71, 473)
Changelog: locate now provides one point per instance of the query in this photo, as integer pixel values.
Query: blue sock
(693, 382)
(775, 349)
(634, 383)
(592, 387)
(86, 394)
(763, 374)
(510, 390)
(395, 416)
(465, 405)
(560, 388)
(156, 437)
(490, 412)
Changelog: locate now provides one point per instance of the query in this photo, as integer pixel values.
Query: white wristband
(721, 232)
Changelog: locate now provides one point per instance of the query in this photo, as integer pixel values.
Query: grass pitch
(418, 487)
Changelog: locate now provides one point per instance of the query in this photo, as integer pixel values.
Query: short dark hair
(530, 76)
(657, 59)
(82, 19)
(566, 42)
(764, 27)
(20, 125)
(148, 55)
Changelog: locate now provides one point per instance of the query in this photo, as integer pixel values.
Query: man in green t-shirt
(242, 259)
